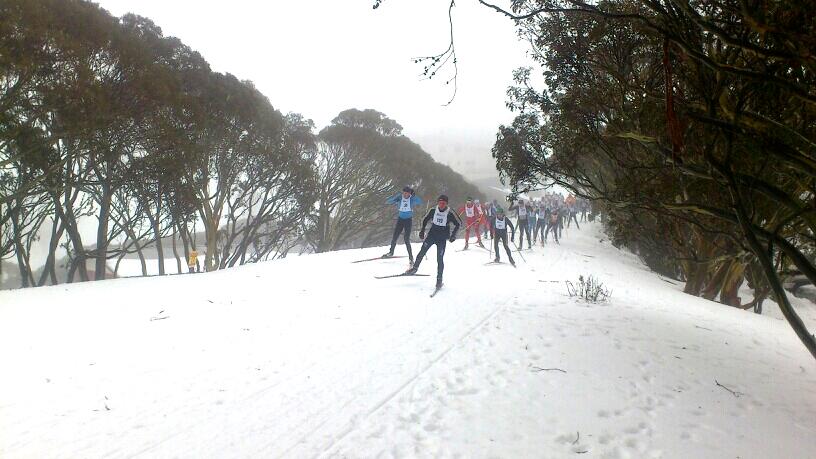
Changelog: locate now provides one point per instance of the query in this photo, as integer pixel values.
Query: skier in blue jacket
(405, 202)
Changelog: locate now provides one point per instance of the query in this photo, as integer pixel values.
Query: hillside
(311, 356)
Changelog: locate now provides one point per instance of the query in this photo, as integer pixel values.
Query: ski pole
(519, 252)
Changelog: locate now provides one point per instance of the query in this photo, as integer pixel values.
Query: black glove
(421, 235)
(452, 238)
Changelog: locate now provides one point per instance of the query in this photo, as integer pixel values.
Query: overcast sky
(319, 57)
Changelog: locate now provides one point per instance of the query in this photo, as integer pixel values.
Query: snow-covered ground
(311, 356)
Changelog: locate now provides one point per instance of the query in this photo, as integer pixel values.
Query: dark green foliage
(691, 126)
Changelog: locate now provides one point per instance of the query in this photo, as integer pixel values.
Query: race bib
(405, 205)
(440, 218)
(522, 210)
(469, 211)
(500, 224)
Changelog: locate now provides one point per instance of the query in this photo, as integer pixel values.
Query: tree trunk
(159, 246)
(102, 232)
(66, 213)
(211, 230)
(714, 285)
(175, 250)
(185, 242)
(18, 246)
(732, 283)
(50, 261)
(770, 273)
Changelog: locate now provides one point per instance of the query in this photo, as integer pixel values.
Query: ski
(497, 263)
(436, 290)
(379, 258)
(400, 275)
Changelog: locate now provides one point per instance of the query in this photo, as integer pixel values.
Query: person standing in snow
(192, 263)
(482, 212)
(491, 218)
(541, 222)
(572, 210)
(473, 216)
(500, 233)
(532, 219)
(405, 202)
(439, 235)
(553, 221)
(522, 212)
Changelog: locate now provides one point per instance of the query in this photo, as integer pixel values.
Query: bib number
(405, 205)
(440, 218)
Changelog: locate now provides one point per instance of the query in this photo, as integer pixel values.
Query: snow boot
(496, 260)
(438, 284)
(388, 255)
(411, 271)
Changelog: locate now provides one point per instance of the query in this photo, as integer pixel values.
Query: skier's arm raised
(393, 199)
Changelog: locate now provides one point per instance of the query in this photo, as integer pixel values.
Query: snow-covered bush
(590, 289)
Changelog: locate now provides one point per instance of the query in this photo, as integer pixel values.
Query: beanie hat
(408, 189)
(443, 197)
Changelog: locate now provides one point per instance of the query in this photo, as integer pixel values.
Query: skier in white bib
(439, 235)
(405, 202)
(473, 217)
(523, 211)
(500, 234)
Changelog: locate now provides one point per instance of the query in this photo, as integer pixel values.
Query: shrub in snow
(590, 289)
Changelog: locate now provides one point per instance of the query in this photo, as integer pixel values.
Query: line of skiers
(546, 216)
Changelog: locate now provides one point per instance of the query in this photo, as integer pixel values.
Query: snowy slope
(311, 356)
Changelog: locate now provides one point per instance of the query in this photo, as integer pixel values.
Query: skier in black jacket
(439, 234)
(500, 234)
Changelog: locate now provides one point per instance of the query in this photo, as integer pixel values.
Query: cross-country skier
(482, 209)
(439, 235)
(491, 217)
(572, 210)
(473, 217)
(532, 219)
(541, 222)
(500, 233)
(405, 202)
(553, 221)
(522, 211)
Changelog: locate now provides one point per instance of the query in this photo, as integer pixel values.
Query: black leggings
(523, 227)
(572, 217)
(501, 234)
(541, 225)
(403, 226)
(441, 241)
(554, 228)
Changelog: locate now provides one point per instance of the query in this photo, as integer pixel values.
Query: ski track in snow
(311, 357)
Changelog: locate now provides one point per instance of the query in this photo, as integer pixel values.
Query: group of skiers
(545, 216)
